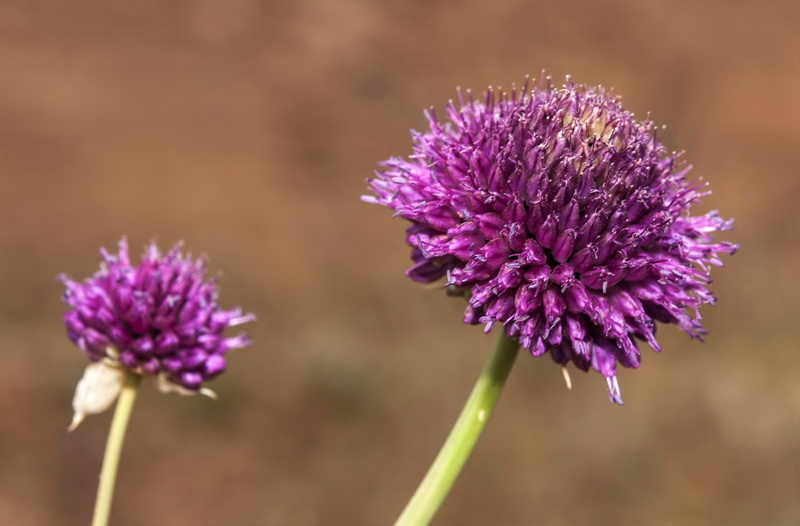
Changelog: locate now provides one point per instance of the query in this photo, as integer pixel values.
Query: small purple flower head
(159, 318)
(559, 217)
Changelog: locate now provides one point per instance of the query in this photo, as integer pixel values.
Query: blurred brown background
(247, 128)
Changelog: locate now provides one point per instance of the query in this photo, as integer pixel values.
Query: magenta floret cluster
(559, 217)
(159, 317)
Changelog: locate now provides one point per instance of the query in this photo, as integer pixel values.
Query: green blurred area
(247, 129)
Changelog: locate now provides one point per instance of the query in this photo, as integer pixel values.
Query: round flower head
(158, 319)
(559, 217)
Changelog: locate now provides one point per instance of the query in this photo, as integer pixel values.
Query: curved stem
(445, 469)
(116, 435)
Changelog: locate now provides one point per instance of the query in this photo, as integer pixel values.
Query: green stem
(116, 435)
(445, 469)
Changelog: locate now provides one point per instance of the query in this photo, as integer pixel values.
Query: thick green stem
(445, 469)
(116, 435)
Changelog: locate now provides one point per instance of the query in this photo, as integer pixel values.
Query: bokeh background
(247, 128)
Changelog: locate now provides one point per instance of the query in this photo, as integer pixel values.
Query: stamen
(613, 390)
(567, 379)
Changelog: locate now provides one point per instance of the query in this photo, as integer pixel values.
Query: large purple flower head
(559, 217)
(159, 318)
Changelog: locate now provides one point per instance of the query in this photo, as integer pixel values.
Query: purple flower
(159, 318)
(560, 217)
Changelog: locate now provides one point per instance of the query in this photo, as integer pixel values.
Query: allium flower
(158, 319)
(559, 217)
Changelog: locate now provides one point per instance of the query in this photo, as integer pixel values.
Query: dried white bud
(96, 391)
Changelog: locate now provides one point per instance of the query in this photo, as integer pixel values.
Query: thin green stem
(116, 435)
(451, 459)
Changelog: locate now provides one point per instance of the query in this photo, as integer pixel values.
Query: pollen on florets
(159, 318)
(559, 217)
